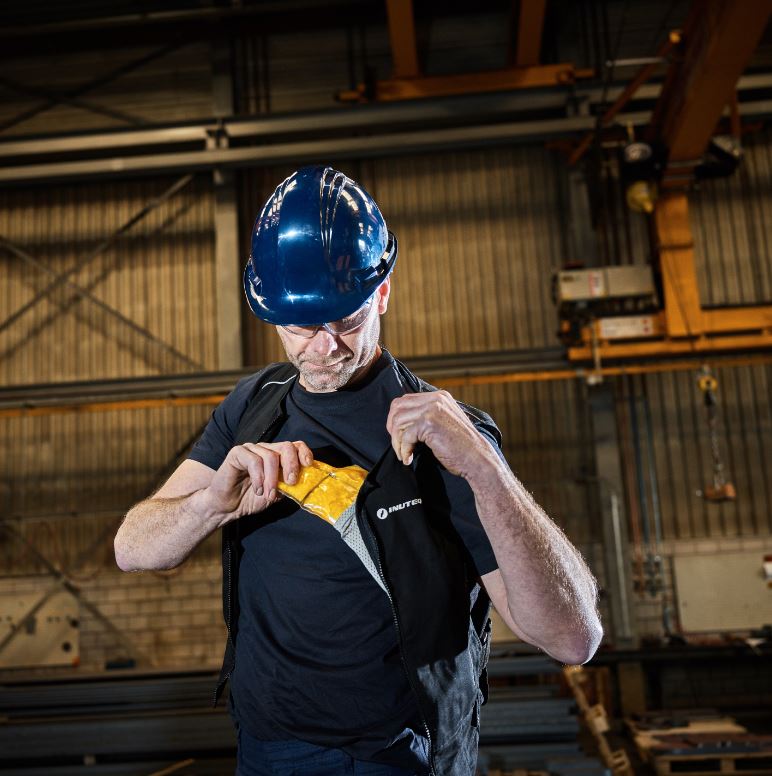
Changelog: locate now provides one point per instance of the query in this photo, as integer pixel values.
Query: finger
(407, 444)
(397, 407)
(256, 474)
(243, 461)
(290, 465)
(396, 440)
(393, 407)
(271, 461)
(304, 453)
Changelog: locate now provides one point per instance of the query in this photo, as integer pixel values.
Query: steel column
(226, 224)
(611, 501)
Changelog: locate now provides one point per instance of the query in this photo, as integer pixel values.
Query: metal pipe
(642, 495)
(483, 115)
(653, 481)
(211, 387)
(628, 476)
(620, 555)
(332, 149)
(635, 62)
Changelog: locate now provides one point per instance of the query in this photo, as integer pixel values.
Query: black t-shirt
(316, 651)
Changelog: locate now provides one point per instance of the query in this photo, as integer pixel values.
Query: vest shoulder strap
(271, 386)
(482, 420)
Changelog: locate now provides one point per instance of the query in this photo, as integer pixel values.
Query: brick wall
(162, 620)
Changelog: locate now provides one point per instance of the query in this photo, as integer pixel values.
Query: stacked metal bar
(531, 726)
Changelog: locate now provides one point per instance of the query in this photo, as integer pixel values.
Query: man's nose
(323, 343)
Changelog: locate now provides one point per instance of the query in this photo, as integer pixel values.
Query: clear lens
(341, 326)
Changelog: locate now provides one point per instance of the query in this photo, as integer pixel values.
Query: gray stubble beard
(311, 378)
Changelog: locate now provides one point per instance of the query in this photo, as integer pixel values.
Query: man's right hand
(247, 480)
(161, 531)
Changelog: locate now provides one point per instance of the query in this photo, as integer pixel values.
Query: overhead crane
(716, 44)
(708, 58)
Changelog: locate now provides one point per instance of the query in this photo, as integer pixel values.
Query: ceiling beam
(529, 32)
(719, 38)
(404, 51)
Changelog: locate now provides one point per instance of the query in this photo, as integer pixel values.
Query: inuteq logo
(383, 513)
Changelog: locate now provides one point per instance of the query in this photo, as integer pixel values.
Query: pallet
(597, 722)
(703, 747)
(647, 739)
(711, 753)
(747, 764)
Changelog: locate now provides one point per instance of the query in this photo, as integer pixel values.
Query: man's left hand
(435, 419)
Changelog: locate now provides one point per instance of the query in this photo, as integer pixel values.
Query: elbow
(126, 560)
(583, 646)
(122, 560)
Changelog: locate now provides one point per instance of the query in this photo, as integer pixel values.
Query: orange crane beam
(404, 51)
(675, 247)
(719, 38)
(529, 32)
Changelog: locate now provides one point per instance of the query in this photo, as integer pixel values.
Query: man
(363, 656)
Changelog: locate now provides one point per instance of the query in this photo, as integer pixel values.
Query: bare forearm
(160, 533)
(551, 592)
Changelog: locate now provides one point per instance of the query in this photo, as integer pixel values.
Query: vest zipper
(227, 572)
(374, 544)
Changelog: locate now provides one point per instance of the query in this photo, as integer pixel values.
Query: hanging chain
(721, 488)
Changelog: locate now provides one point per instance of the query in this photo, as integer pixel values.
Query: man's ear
(382, 295)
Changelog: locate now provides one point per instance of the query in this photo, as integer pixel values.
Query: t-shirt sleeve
(220, 432)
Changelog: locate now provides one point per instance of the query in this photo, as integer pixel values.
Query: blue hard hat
(320, 248)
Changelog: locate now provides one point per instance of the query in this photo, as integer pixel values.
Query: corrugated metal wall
(301, 71)
(546, 444)
(67, 479)
(49, 93)
(732, 224)
(158, 274)
(682, 451)
(480, 234)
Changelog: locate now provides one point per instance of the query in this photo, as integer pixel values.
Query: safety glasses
(336, 328)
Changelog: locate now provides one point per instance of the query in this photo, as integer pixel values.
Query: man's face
(327, 362)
